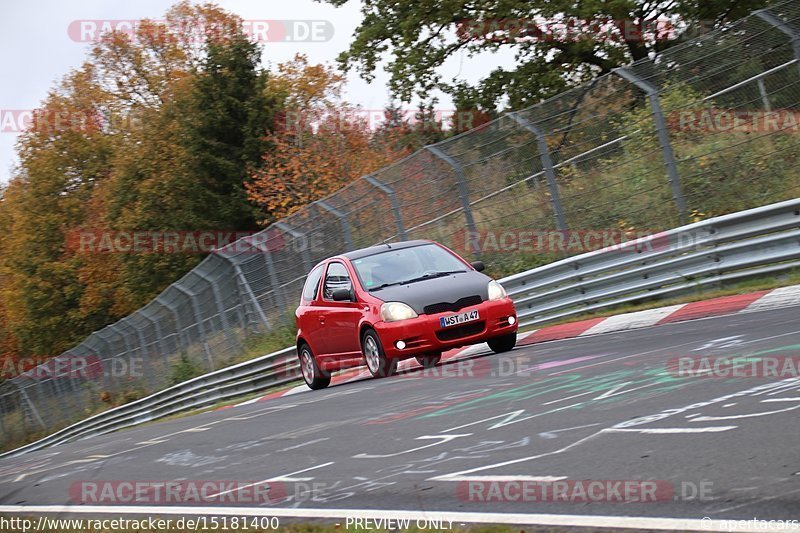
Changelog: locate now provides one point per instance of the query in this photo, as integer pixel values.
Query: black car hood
(447, 289)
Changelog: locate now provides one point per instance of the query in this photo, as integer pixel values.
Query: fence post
(198, 316)
(108, 381)
(348, 235)
(176, 318)
(32, 411)
(161, 346)
(277, 288)
(762, 89)
(663, 137)
(549, 169)
(398, 216)
(781, 25)
(244, 286)
(146, 365)
(220, 307)
(298, 235)
(463, 191)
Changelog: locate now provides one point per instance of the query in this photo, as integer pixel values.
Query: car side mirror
(478, 265)
(342, 295)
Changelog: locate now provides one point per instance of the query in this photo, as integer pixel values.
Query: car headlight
(394, 311)
(496, 291)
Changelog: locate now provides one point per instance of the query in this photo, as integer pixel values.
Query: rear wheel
(377, 363)
(314, 377)
(429, 360)
(503, 343)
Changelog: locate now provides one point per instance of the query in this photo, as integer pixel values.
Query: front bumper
(424, 334)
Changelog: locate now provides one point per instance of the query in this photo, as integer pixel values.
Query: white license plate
(459, 318)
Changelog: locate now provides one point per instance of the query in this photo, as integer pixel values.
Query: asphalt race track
(605, 407)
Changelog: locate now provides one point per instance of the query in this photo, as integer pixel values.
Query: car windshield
(406, 265)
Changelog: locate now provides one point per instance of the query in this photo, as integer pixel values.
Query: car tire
(374, 356)
(503, 343)
(429, 360)
(314, 377)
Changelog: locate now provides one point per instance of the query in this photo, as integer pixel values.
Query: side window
(336, 278)
(311, 287)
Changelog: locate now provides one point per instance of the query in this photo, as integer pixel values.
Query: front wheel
(503, 343)
(377, 363)
(429, 360)
(314, 377)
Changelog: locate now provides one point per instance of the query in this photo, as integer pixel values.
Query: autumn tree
(417, 38)
(174, 115)
(187, 166)
(320, 142)
(64, 156)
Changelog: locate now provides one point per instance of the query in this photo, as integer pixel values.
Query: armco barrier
(267, 371)
(753, 242)
(747, 243)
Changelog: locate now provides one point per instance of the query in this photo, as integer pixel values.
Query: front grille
(447, 307)
(464, 330)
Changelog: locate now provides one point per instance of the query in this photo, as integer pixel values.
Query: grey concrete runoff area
(492, 435)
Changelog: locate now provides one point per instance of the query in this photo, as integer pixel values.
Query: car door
(310, 312)
(340, 319)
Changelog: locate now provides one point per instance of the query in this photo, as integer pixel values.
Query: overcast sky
(38, 50)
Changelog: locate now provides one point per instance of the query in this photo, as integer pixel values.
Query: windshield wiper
(420, 278)
(385, 285)
(430, 276)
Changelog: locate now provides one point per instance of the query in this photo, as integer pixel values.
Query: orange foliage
(303, 168)
(319, 143)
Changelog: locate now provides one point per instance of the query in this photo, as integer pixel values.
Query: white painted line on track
(564, 520)
(781, 400)
(662, 431)
(504, 479)
(304, 444)
(749, 415)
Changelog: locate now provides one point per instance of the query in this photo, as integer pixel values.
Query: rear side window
(311, 287)
(336, 278)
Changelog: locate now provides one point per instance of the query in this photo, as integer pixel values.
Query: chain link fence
(709, 127)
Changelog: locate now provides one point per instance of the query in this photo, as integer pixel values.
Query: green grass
(277, 339)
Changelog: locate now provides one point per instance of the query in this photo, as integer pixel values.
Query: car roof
(372, 250)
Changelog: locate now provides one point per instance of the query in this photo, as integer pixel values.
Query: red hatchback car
(386, 303)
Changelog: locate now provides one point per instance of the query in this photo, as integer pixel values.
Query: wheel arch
(363, 328)
(300, 342)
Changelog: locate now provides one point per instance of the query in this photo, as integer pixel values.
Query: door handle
(321, 320)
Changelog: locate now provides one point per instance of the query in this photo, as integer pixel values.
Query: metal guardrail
(265, 372)
(748, 243)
